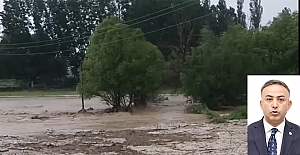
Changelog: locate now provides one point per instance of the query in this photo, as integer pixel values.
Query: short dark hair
(272, 82)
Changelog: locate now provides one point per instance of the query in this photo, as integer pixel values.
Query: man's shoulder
(295, 126)
(254, 125)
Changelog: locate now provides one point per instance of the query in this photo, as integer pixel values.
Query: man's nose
(275, 104)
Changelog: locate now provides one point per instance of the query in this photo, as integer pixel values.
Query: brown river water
(16, 113)
(53, 126)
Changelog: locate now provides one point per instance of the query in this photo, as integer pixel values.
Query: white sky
(270, 7)
(255, 82)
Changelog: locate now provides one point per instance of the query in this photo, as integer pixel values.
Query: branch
(230, 138)
(190, 35)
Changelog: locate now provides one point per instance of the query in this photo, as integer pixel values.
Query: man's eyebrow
(273, 96)
(281, 96)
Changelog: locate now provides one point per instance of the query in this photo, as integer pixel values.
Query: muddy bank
(176, 138)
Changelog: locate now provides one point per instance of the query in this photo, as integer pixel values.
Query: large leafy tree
(216, 74)
(70, 21)
(24, 36)
(118, 64)
(16, 27)
(174, 42)
(217, 69)
(281, 43)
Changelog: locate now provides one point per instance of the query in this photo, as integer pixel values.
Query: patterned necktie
(272, 144)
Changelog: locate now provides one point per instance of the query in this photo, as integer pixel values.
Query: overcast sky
(270, 7)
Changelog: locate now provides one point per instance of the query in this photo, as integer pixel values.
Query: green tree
(73, 21)
(217, 70)
(256, 11)
(116, 69)
(174, 42)
(223, 17)
(281, 41)
(16, 27)
(82, 18)
(241, 17)
(46, 66)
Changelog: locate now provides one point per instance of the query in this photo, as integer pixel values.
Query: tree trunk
(140, 101)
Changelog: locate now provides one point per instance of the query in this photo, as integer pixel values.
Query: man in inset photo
(274, 134)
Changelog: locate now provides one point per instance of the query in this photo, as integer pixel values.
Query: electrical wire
(27, 47)
(100, 33)
(124, 23)
(149, 31)
(164, 27)
(18, 54)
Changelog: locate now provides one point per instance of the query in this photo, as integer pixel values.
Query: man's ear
(260, 104)
(290, 104)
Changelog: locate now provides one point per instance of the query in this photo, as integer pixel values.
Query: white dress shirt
(278, 135)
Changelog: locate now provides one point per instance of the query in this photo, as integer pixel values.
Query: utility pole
(81, 83)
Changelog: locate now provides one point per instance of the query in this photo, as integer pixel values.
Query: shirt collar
(268, 127)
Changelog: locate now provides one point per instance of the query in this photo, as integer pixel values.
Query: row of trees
(61, 30)
(215, 73)
(205, 49)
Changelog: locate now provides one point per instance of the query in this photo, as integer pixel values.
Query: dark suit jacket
(257, 139)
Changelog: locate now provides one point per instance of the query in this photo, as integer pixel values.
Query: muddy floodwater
(42, 126)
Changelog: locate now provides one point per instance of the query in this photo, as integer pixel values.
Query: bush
(213, 116)
(239, 113)
(196, 109)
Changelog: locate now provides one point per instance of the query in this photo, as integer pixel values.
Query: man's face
(275, 103)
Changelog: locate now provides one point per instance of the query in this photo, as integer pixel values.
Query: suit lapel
(260, 138)
(287, 138)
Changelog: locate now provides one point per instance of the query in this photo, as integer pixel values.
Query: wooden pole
(81, 80)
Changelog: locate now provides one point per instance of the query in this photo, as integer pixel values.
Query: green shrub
(196, 109)
(239, 113)
(213, 116)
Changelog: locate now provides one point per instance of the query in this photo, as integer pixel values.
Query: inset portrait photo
(273, 104)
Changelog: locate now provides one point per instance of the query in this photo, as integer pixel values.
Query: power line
(151, 31)
(165, 27)
(23, 47)
(103, 32)
(171, 7)
(124, 23)
(149, 18)
(16, 54)
(100, 33)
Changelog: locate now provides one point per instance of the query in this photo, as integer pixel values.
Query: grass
(41, 93)
(215, 116)
(239, 113)
(38, 93)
